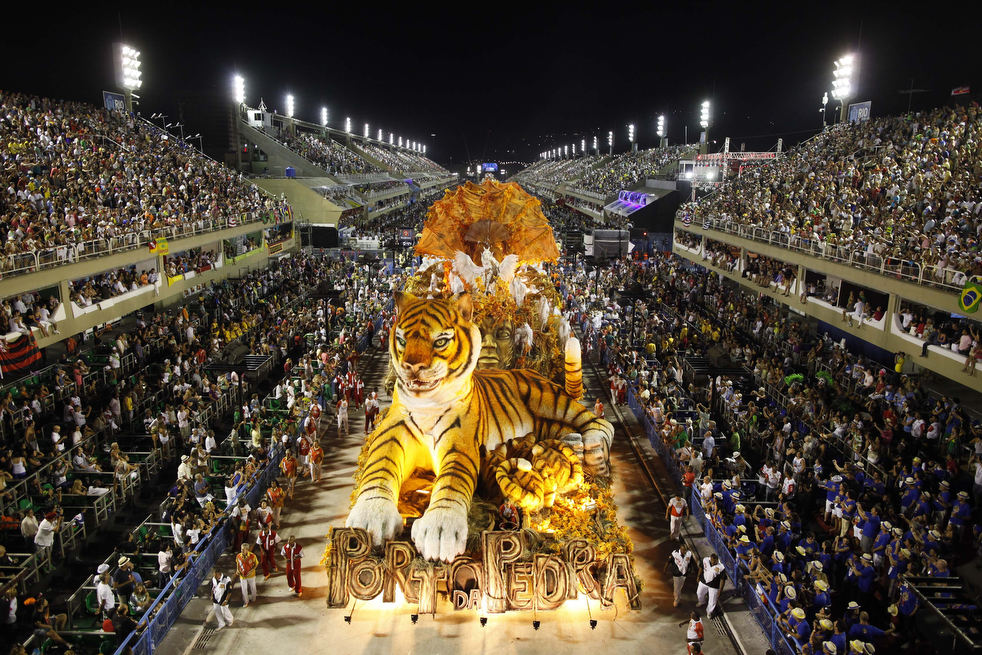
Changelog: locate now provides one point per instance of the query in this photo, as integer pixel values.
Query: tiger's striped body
(443, 411)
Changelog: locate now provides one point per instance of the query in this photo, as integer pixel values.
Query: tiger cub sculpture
(443, 411)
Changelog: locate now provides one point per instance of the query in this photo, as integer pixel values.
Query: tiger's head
(434, 347)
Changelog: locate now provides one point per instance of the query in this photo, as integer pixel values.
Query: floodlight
(238, 89)
(380, 135)
(289, 105)
(391, 139)
(347, 124)
(704, 115)
(842, 77)
(630, 132)
(129, 68)
(324, 116)
(661, 126)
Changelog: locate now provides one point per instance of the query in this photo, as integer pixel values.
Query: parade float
(487, 482)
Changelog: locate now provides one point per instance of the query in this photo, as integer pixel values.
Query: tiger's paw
(596, 452)
(379, 517)
(440, 534)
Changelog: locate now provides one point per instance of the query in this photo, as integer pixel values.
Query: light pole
(842, 82)
(704, 121)
(825, 102)
(128, 72)
(323, 116)
(179, 126)
(660, 130)
(161, 116)
(582, 146)
(201, 148)
(238, 95)
(610, 141)
(630, 137)
(596, 146)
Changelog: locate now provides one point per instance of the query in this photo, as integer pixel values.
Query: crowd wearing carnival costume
(861, 476)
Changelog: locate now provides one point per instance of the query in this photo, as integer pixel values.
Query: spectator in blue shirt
(863, 630)
(869, 526)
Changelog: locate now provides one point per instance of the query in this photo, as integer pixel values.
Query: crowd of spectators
(828, 476)
(410, 217)
(266, 311)
(402, 161)
(902, 187)
(28, 311)
(631, 168)
(72, 173)
(329, 155)
(606, 174)
(559, 171)
(376, 187)
(91, 290)
(193, 260)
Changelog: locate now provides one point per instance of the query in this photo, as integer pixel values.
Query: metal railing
(48, 258)
(170, 602)
(747, 589)
(732, 565)
(933, 275)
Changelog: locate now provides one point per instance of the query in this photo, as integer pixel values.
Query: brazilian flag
(970, 298)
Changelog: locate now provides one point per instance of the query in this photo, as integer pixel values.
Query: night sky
(494, 82)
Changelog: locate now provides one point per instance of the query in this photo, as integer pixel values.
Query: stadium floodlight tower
(392, 139)
(582, 146)
(596, 145)
(400, 142)
(324, 116)
(630, 137)
(842, 76)
(238, 94)
(128, 73)
(366, 131)
(290, 105)
(823, 107)
(238, 89)
(660, 130)
(347, 124)
(610, 141)
(704, 121)
(379, 135)
(424, 149)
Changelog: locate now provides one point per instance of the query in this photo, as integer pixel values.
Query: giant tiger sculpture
(444, 413)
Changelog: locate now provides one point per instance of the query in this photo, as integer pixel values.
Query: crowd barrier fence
(747, 589)
(174, 597)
